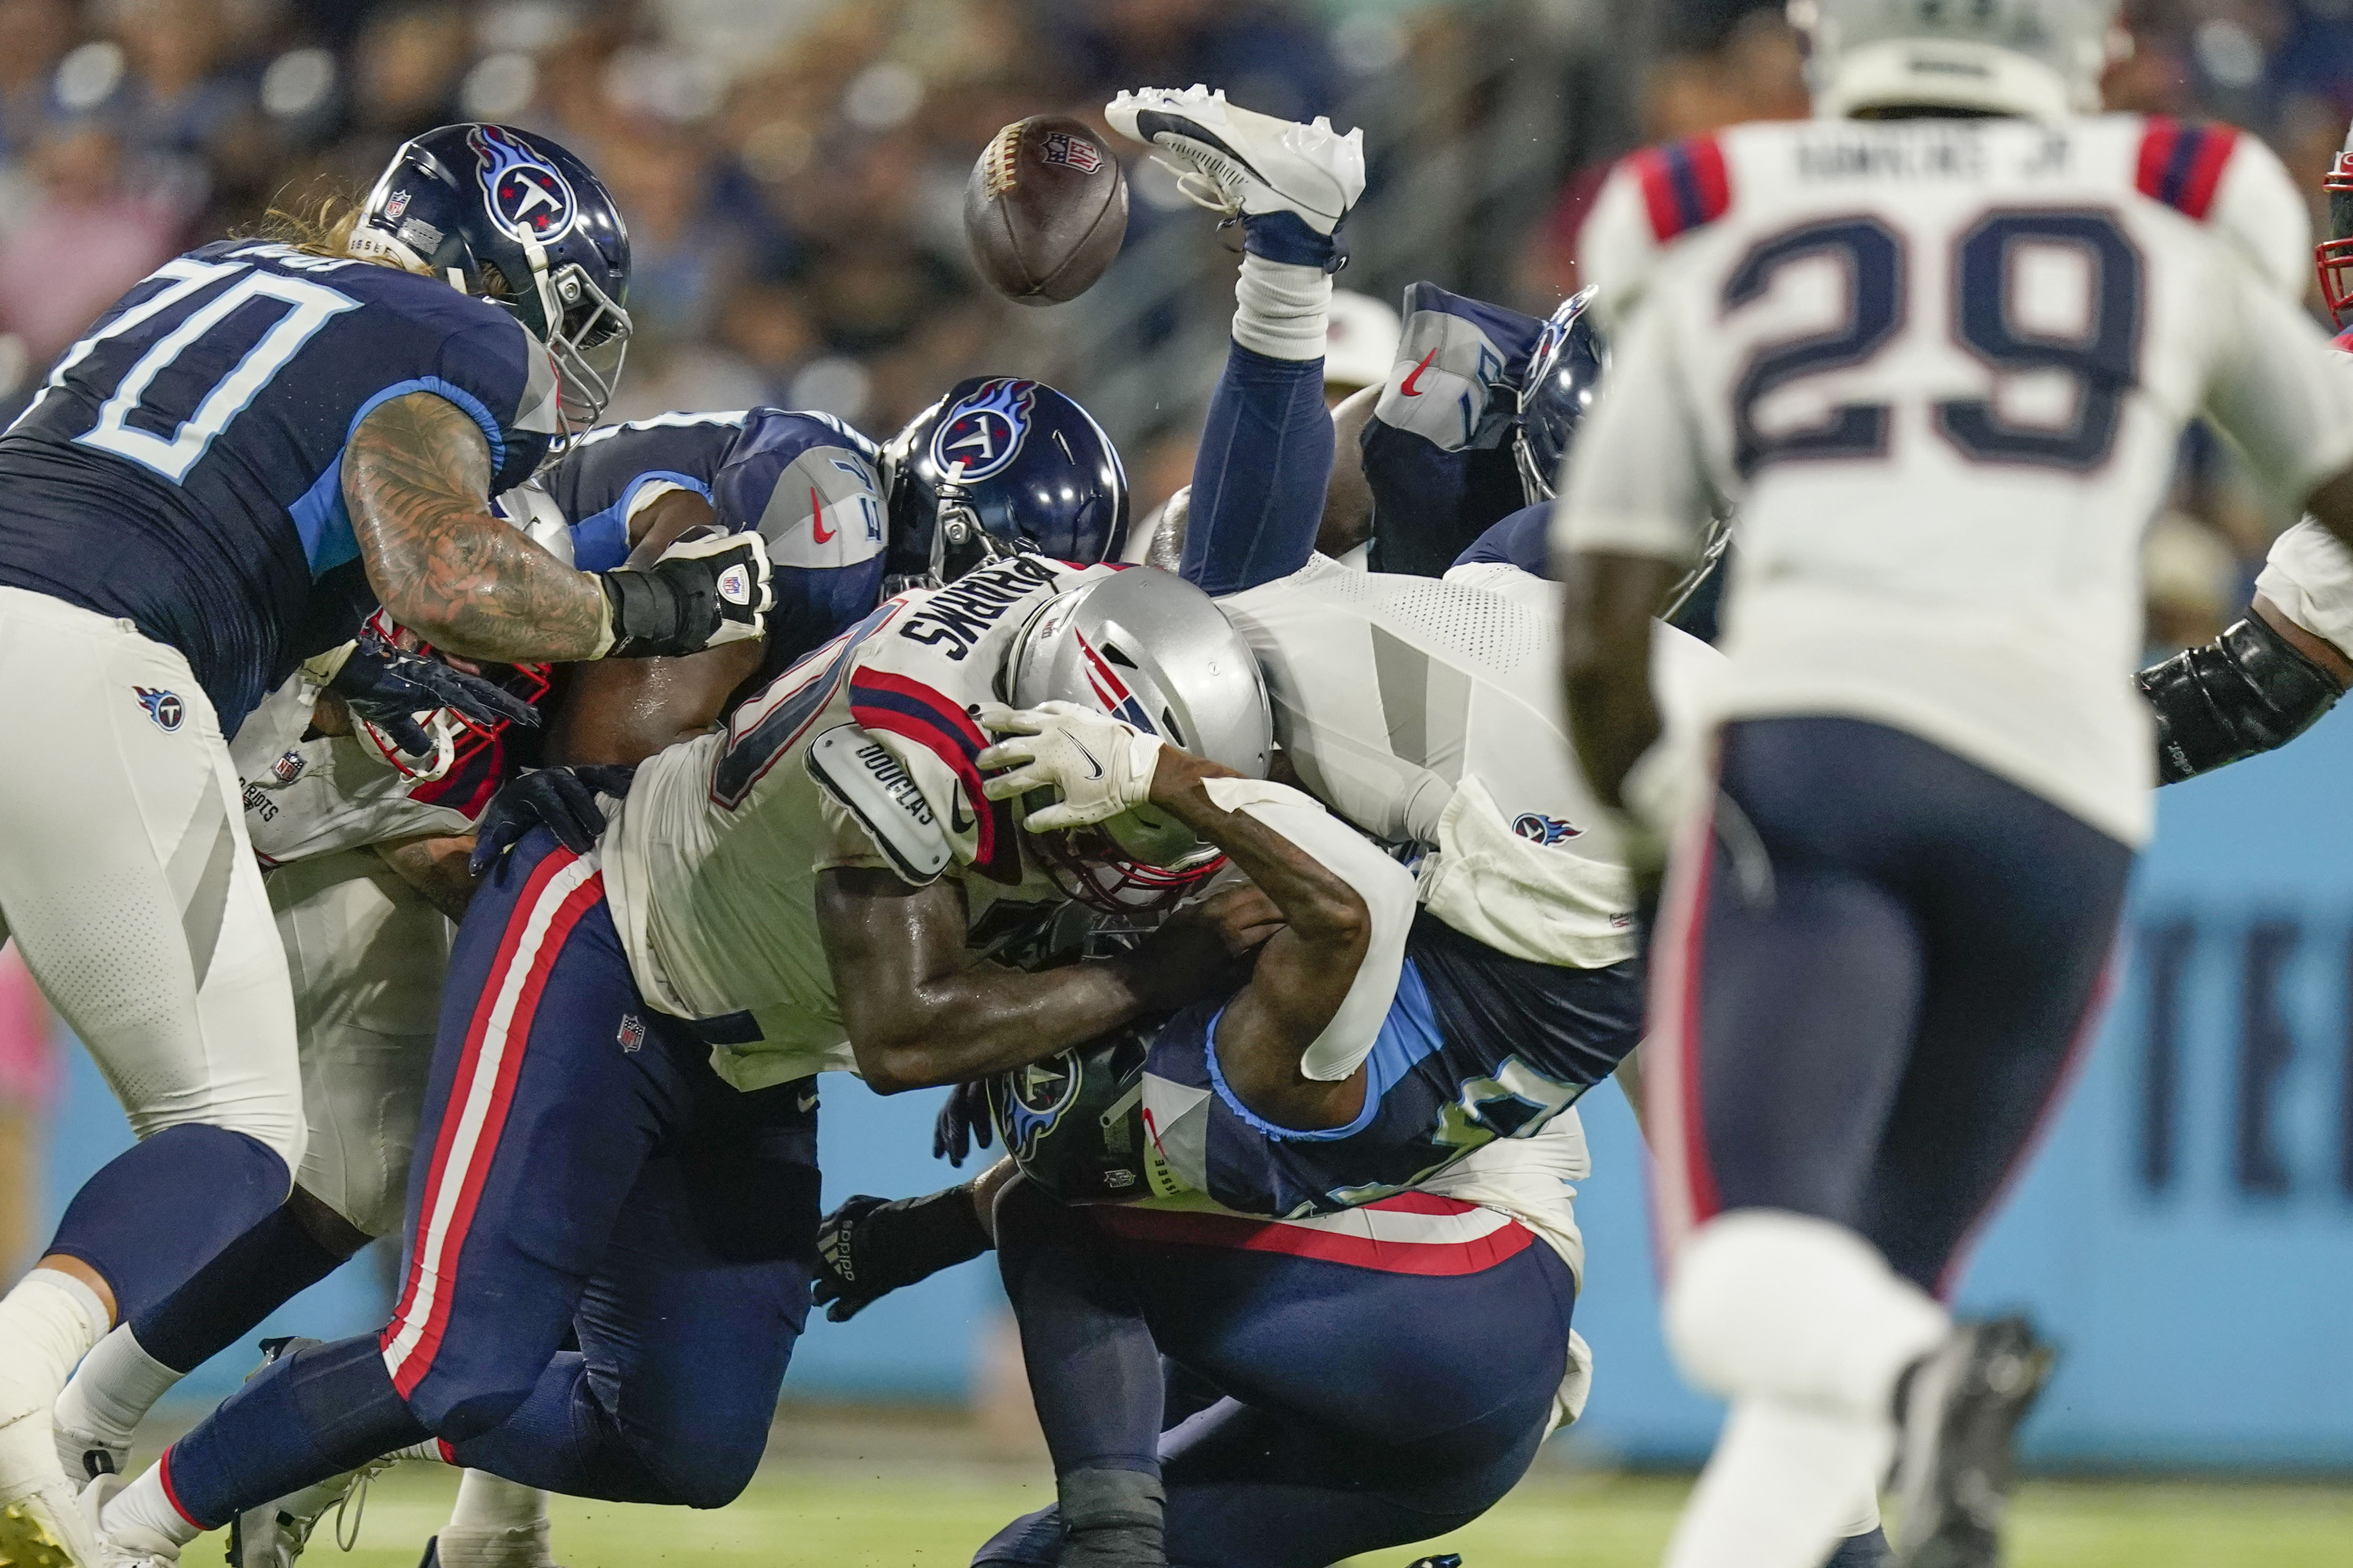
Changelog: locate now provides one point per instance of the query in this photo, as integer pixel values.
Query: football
(1045, 209)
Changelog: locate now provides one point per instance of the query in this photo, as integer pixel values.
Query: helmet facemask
(2335, 254)
(588, 342)
(1137, 863)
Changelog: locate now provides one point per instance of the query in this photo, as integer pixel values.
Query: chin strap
(2249, 690)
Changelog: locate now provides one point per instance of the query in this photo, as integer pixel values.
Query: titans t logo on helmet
(983, 433)
(525, 193)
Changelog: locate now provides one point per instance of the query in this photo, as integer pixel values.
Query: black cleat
(1955, 1459)
(1446, 1560)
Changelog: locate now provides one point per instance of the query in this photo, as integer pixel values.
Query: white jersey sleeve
(1636, 482)
(2279, 390)
(2259, 210)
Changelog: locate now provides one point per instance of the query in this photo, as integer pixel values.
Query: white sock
(1863, 1517)
(1281, 309)
(117, 1383)
(486, 1501)
(144, 1505)
(47, 1323)
(1778, 1488)
(1770, 1304)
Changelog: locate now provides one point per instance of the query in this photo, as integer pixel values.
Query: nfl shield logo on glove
(735, 585)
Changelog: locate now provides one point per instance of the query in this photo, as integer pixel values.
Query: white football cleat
(1238, 162)
(132, 1547)
(466, 1546)
(274, 1534)
(41, 1522)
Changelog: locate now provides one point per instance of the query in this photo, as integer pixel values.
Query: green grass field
(846, 1518)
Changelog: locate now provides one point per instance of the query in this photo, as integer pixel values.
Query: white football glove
(1096, 765)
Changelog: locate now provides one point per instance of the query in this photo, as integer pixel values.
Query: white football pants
(127, 880)
(367, 954)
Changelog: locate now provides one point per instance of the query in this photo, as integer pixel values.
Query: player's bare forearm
(1605, 651)
(2310, 644)
(416, 481)
(919, 1013)
(623, 711)
(435, 866)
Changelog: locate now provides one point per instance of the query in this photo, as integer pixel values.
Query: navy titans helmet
(997, 466)
(1564, 373)
(514, 218)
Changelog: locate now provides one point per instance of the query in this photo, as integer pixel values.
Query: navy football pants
(583, 1179)
(1317, 1408)
(1868, 990)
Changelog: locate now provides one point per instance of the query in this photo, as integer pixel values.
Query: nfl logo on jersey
(632, 1035)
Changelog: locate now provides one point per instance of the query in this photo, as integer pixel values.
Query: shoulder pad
(927, 722)
(876, 788)
(817, 504)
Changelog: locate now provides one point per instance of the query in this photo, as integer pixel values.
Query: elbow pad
(2249, 690)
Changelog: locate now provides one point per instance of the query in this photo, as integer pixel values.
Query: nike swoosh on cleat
(1151, 124)
(1411, 386)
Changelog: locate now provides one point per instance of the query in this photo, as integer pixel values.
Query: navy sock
(1869, 1550)
(227, 1298)
(1259, 479)
(316, 1412)
(1285, 237)
(1094, 1371)
(160, 1211)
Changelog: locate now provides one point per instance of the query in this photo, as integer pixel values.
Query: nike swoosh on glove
(563, 800)
(390, 686)
(706, 589)
(1097, 765)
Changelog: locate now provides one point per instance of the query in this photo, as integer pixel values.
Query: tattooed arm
(416, 481)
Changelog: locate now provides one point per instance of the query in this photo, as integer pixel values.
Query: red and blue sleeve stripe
(1685, 184)
(2181, 165)
(898, 706)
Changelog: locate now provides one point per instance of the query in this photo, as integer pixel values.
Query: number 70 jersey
(1940, 368)
(181, 466)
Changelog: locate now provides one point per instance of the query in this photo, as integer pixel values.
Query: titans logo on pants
(165, 707)
(982, 435)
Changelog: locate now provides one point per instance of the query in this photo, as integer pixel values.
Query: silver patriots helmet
(1146, 646)
(2039, 59)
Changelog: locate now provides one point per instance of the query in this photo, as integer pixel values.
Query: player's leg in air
(1266, 444)
(679, 1251)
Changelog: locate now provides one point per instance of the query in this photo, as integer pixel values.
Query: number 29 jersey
(182, 468)
(1940, 368)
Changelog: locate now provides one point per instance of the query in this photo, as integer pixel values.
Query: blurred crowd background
(790, 169)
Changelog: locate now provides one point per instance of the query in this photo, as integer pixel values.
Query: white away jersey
(1941, 367)
(862, 754)
(1429, 712)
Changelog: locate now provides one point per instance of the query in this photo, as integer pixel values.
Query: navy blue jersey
(1477, 1046)
(182, 468)
(808, 483)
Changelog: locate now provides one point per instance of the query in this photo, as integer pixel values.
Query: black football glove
(963, 1121)
(563, 800)
(867, 1249)
(708, 588)
(388, 687)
